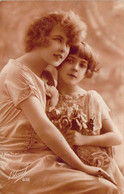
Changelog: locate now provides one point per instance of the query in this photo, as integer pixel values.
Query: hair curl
(37, 33)
(83, 50)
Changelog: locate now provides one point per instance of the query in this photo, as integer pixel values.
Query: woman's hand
(74, 138)
(95, 171)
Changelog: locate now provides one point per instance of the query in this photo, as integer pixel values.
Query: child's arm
(110, 136)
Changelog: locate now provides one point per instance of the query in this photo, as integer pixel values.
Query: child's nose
(76, 66)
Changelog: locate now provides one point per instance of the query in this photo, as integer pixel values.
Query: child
(82, 116)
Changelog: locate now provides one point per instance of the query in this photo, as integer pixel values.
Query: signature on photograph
(18, 174)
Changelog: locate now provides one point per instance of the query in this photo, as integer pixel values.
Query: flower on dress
(52, 97)
(67, 118)
(65, 123)
(99, 159)
(94, 156)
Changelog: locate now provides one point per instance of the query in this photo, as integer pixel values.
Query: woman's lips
(58, 56)
(72, 75)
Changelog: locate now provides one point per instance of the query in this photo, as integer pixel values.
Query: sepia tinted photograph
(61, 97)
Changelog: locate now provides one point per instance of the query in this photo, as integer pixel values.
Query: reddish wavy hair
(37, 33)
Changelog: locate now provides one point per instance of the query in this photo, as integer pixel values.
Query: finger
(106, 176)
(70, 141)
(70, 131)
(69, 136)
(71, 144)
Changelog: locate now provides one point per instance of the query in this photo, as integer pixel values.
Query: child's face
(58, 48)
(72, 70)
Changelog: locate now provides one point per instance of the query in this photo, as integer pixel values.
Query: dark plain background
(105, 22)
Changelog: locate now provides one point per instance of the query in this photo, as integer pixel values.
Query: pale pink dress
(26, 164)
(94, 108)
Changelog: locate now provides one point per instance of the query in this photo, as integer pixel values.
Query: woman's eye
(57, 39)
(70, 61)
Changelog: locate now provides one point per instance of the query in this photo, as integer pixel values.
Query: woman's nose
(64, 47)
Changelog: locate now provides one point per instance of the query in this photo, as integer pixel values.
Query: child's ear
(88, 73)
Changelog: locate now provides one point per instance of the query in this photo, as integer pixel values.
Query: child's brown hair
(83, 50)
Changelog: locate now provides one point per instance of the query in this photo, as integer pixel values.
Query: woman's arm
(48, 133)
(51, 136)
(110, 136)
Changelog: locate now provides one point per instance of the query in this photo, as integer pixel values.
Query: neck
(68, 89)
(37, 65)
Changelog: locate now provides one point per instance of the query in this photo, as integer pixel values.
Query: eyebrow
(83, 60)
(72, 57)
(58, 36)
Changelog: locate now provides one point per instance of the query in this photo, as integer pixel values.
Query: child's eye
(83, 65)
(68, 43)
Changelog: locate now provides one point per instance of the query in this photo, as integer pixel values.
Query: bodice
(83, 113)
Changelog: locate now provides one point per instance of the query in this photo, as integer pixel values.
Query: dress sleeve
(20, 85)
(98, 110)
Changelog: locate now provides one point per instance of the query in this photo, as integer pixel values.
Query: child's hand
(74, 138)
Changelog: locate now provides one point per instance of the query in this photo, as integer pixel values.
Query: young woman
(83, 117)
(29, 143)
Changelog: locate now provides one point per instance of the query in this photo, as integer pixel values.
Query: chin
(55, 64)
(71, 83)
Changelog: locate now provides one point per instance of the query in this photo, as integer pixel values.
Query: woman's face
(58, 48)
(72, 70)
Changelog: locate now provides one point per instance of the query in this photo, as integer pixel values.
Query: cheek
(67, 51)
(63, 67)
(82, 74)
(61, 75)
(62, 70)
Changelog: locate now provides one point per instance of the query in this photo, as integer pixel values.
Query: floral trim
(52, 95)
(70, 118)
(94, 156)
